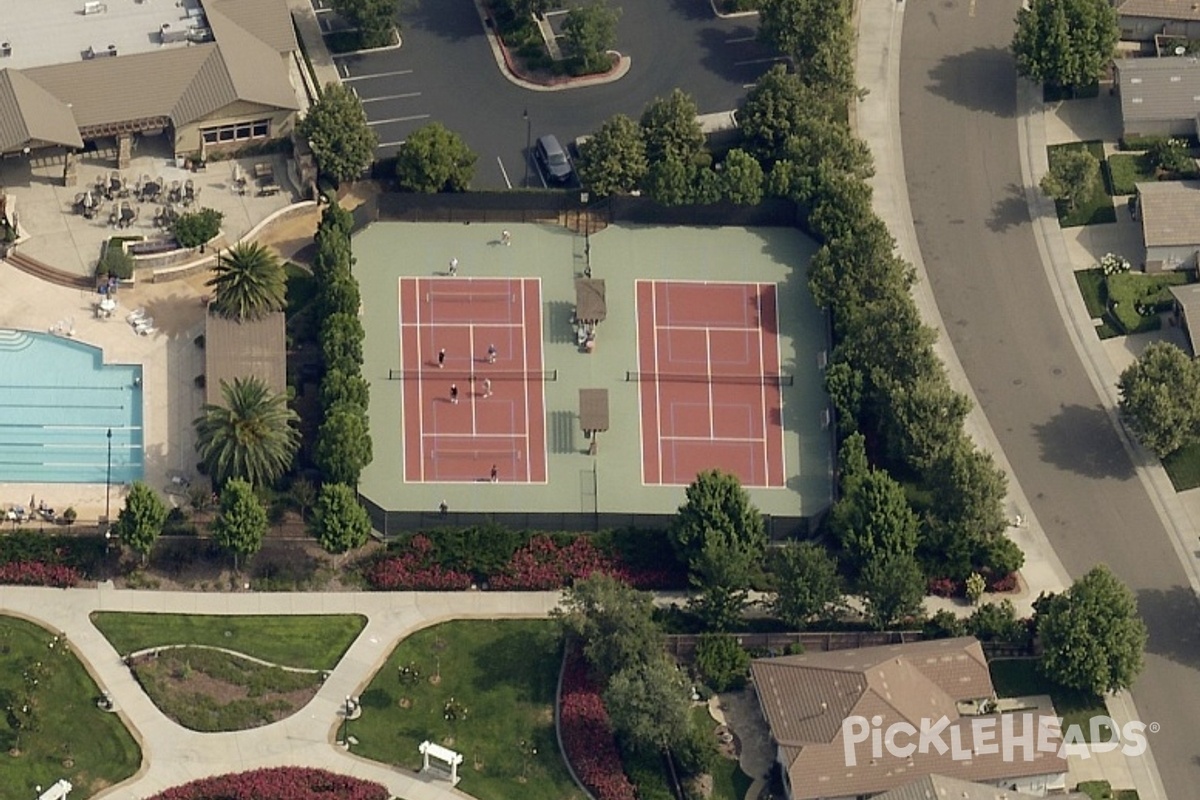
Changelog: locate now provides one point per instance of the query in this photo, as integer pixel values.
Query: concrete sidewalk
(877, 120)
(172, 755)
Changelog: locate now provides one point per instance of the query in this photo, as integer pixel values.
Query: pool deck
(170, 362)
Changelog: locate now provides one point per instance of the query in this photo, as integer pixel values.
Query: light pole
(528, 145)
(108, 481)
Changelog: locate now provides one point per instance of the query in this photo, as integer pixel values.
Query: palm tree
(249, 283)
(252, 436)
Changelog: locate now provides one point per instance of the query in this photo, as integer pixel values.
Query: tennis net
(472, 297)
(677, 377)
(460, 376)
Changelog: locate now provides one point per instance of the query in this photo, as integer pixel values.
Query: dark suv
(553, 158)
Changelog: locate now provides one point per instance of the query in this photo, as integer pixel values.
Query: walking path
(877, 121)
(172, 755)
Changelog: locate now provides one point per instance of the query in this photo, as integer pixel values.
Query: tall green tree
(670, 181)
(340, 522)
(1160, 398)
(342, 342)
(613, 160)
(141, 520)
(241, 521)
(343, 448)
(589, 32)
(741, 178)
(339, 294)
(248, 283)
(927, 416)
(251, 437)
(892, 587)
(716, 511)
(817, 35)
(339, 387)
(614, 620)
(774, 111)
(1072, 176)
(1065, 42)
(670, 129)
(374, 19)
(807, 584)
(874, 520)
(649, 703)
(434, 159)
(1092, 638)
(336, 129)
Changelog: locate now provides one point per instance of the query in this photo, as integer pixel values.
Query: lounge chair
(148, 330)
(136, 316)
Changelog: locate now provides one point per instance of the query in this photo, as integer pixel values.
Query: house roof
(1161, 9)
(240, 349)
(1188, 298)
(805, 699)
(1170, 213)
(269, 21)
(1159, 88)
(31, 115)
(939, 787)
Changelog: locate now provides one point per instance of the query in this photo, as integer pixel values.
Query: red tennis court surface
(710, 389)
(501, 424)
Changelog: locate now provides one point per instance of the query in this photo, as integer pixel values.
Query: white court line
(399, 119)
(420, 381)
(730, 439)
(385, 97)
(471, 353)
(545, 455)
(525, 371)
(779, 389)
(722, 328)
(763, 389)
(374, 74)
(458, 324)
(513, 437)
(708, 370)
(657, 392)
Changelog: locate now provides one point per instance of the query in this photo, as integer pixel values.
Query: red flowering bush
(945, 587)
(1002, 583)
(281, 783)
(543, 565)
(587, 734)
(415, 570)
(39, 573)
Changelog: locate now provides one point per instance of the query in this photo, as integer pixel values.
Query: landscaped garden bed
(1183, 467)
(209, 690)
(587, 734)
(1128, 302)
(280, 783)
(1097, 207)
(55, 729)
(1102, 790)
(483, 688)
(29, 558)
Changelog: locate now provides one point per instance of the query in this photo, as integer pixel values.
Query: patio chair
(149, 330)
(136, 316)
(143, 324)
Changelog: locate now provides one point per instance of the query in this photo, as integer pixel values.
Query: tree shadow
(1010, 211)
(982, 79)
(514, 660)
(1163, 611)
(1081, 440)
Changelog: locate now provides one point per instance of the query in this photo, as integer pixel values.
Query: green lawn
(1183, 467)
(1127, 169)
(729, 782)
(1019, 677)
(1131, 292)
(75, 739)
(504, 673)
(1095, 209)
(313, 642)
(1095, 295)
(1102, 790)
(182, 683)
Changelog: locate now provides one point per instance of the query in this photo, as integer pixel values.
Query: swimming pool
(58, 402)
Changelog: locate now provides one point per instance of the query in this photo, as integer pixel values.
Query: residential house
(1159, 96)
(1187, 313)
(1169, 213)
(939, 787)
(1142, 20)
(807, 699)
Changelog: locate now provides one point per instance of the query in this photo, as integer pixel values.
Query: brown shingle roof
(1170, 213)
(241, 349)
(939, 787)
(31, 115)
(1161, 9)
(269, 21)
(805, 699)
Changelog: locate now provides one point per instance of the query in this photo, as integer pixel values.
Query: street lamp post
(108, 481)
(528, 145)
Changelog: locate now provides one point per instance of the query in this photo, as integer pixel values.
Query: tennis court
(473, 380)
(710, 387)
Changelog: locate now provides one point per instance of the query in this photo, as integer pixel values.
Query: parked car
(553, 158)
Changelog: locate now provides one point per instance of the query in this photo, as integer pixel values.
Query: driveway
(958, 105)
(445, 71)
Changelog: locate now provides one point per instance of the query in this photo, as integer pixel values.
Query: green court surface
(609, 484)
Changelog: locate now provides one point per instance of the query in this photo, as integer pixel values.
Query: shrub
(38, 573)
(280, 783)
(722, 662)
(944, 625)
(945, 587)
(115, 261)
(996, 623)
(542, 565)
(197, 227)
(414, 570)
(587, 735)
(1112, 263)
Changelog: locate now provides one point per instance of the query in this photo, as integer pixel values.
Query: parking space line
(385, 97)
(398, 119)
(759, 61)
(741, 39)
(375, 74)
(382, 145)
(504, 172)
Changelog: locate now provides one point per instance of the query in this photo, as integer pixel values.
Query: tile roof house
(1169, 214)
(1159, 96)
(1142, 20)
(809, 701)
(939, 787)
(227, 84)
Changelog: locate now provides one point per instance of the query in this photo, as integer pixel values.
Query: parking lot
(445, 72)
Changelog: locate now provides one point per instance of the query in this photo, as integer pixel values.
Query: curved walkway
(172, 755)
(877, 119)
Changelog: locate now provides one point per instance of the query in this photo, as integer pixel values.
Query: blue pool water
(58, 401)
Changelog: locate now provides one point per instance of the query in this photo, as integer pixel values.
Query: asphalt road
(445, 71)
(958, 104)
